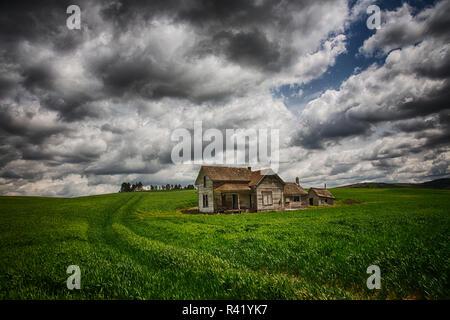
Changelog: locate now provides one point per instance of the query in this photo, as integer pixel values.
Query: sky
(82, 111)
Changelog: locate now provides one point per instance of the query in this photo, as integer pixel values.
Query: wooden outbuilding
(320, 197)
(295, 197)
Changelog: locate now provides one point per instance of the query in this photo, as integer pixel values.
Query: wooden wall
(319, 201)
(270, 183)
(302, 204)
(205, 190)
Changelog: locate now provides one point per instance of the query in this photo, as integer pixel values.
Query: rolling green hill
(139, 246)
(433, 184)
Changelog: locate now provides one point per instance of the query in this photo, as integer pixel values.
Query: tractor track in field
(103, 239)
(110, 237)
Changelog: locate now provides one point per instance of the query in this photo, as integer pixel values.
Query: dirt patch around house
(192, 210)
(351, 202)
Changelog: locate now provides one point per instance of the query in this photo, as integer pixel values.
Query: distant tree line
(128, 187)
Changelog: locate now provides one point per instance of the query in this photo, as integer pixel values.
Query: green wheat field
(141, 246)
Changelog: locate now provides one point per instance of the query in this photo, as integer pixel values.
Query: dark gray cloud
(22, 127)
(339, 126)
(6, 85)
(249, 48)
(211, 16)
(438, 23)
(33, 21)
(440, 136)
(415, 125)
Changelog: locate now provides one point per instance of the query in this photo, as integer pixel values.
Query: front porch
(233, 201)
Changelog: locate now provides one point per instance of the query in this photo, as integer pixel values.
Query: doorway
(235, 201)
(310, 201)
(224, 200)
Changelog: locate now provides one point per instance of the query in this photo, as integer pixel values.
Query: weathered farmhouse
(233, 189)
(320, 197)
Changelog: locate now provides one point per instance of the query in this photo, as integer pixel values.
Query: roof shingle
(323, 193)
(233, 187)
(291, 188)
(218, 174)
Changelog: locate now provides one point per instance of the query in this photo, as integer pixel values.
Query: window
(296, 198)
(204, 181)
(205, 201)
(326, 200)
(267, 198)
(288, 200)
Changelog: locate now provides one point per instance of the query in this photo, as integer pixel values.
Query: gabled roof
(257, 176)
(291, 188)
(235, 174)
(227, 173)
(322, 193)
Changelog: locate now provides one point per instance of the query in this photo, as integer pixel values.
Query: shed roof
(322, 193)
(233, 187)
(291, 188)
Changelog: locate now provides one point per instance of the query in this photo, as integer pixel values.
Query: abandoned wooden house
(234, 190)
(320, 197)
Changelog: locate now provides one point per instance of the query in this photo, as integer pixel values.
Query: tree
(125, 187)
